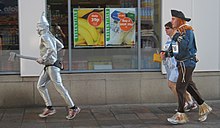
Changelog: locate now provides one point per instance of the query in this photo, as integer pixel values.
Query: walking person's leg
(204, 109)
(180, 117)
(42, 88)
(55, 76)
(172, 75)
(172, 86)
(190, 103)
(181, 87)
(192, 89)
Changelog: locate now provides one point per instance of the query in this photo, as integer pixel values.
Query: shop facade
(109, 47)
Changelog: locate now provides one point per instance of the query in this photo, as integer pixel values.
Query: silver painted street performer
(49, 46)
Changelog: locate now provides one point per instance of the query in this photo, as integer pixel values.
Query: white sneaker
(178, 118)
(47, 112)
(72, 113)
(190, 107)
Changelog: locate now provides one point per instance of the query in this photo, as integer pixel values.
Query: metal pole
(69, 35)
(139, 35)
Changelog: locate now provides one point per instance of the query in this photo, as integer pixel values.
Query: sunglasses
(167, 28)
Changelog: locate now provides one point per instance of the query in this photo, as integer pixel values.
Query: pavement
(108, 116)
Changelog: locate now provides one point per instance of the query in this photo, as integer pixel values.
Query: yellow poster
(88, 27)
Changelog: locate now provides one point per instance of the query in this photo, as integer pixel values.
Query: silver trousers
(52, 74)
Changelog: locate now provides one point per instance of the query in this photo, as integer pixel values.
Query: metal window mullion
(69, 35)
(139, 35)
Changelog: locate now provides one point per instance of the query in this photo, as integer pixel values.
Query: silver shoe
(47, 112)
(72, 113)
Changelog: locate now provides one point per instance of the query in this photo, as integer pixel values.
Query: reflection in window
(150, 31)
(8, 35)
(57, 15)
(87, 56)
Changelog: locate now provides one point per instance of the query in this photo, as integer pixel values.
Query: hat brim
(187, 19)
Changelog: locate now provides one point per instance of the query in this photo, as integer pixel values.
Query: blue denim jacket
(188, 42)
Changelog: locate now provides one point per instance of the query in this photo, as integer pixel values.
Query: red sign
(126, 24)
(94, 19)
(121, 15)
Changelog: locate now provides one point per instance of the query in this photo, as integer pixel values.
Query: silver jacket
(49, 46)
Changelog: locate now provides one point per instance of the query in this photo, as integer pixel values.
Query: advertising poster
(88, 27)
(120, 27)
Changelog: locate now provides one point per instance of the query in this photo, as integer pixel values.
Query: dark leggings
(189, 85)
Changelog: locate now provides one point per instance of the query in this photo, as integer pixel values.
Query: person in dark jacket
(184, 50)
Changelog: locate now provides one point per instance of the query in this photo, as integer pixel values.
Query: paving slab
(107, 116)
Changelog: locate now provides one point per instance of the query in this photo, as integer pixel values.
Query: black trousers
(187, 84)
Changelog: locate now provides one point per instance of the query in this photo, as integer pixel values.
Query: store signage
(9, 10)
(89, 24)
(88, 27)
(8, 7)
(120, 27)
(94, 19)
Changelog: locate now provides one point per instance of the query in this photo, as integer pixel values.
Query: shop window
(99, 41)
(57, 15)
(150, 33)
(9, 41)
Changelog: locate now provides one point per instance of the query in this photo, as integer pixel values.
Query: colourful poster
(120, 27)
(88, 27)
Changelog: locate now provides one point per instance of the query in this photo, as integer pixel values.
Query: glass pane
(150, 32)
(91, 54)
(57, 15)
(9, 41)
(118, 54)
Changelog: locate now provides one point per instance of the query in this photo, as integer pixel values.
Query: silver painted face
(39, 29)
(42, 29)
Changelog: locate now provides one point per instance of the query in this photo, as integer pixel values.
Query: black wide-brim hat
(180, 15)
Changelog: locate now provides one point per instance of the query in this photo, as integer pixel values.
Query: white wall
(205, 21)
(206, 25)
(29, 14)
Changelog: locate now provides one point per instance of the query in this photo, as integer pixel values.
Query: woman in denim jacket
(184, 50)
